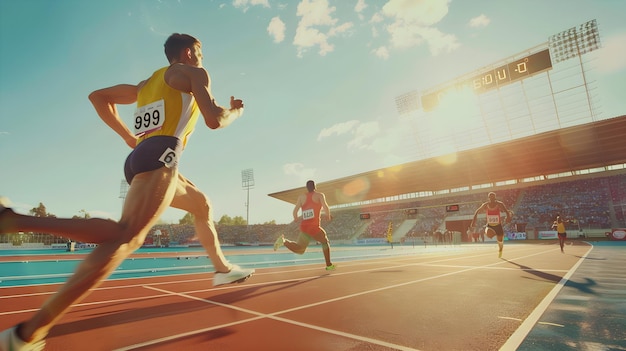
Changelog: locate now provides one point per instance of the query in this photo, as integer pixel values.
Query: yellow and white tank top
(163, 110)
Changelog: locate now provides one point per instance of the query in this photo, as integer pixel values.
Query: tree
(238, 220)
(40, 211)
(227, 220)
(187, 219)
(84, 214)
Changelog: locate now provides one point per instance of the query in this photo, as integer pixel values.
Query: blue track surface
(31, 271)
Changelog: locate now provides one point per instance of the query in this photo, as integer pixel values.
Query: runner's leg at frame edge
(189, 198)
(148, 196)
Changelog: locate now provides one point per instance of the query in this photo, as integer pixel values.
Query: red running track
(459, 298)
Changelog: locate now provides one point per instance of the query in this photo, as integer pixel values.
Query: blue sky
(319, 80)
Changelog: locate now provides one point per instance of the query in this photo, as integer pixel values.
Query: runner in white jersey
(493, 209)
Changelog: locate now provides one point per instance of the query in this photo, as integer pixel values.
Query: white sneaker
(236, 275)
(9, 341)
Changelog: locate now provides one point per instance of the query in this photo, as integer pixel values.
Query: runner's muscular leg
(490, 232)
(323, 239)
(189, 198)
(149, 195)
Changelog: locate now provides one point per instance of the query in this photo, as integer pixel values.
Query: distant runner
(494, 208)
(559, 225)
(311, 204)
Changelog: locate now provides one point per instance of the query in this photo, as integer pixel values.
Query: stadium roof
(587, 146)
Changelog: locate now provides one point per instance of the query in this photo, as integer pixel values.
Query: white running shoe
(9, 341)
(236, 275)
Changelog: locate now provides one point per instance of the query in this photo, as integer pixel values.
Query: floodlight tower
(247, 182)
(407, 103)
(576, 42)
(123, 190)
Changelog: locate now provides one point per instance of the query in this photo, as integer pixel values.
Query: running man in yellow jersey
(559, 225)
(168, 105)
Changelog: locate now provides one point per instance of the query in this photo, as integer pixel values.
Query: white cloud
(360, 6)
(424, 12)
(363, 135)
(377, 18)
(381, 52)
(276, 29)
(480, 21)
(313, 14)
(404, 35)
(439, 42)
(388, 141)
(412, 25)
(342, 28)
(338, 129)
(245, 4)
(297, 169)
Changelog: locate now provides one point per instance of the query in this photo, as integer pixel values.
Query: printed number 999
(147, 119)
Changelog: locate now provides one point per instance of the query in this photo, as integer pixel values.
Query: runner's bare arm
(476, 215)
(105, 101)
(196, 80)
(297, 207)
(325, 206)
(509, 214)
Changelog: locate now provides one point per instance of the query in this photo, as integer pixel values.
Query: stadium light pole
(407, 103)
(123, 190)
(247, 182)
(576, 42)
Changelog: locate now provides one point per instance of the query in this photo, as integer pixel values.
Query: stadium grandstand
(579, 172)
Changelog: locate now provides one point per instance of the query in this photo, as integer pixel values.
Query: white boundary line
(274, 315)
(516, 339)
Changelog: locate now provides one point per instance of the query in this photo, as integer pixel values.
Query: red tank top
(493, 215)
(311, 215)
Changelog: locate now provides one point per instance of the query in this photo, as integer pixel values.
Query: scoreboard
(494, 78)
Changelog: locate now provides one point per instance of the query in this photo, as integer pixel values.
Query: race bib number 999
(308, 214)
(149, 118)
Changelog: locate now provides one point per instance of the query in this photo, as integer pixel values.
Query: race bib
(493, 219)
(308, 214)
(169, 158)
(149, 118)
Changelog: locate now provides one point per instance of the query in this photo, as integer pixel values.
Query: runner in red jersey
(494, 208)
(312, 203)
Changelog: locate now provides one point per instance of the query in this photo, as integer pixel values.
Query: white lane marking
(516, 339)
(274, 315)
(553, 324)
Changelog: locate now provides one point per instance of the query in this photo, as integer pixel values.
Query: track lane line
(275, 315)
